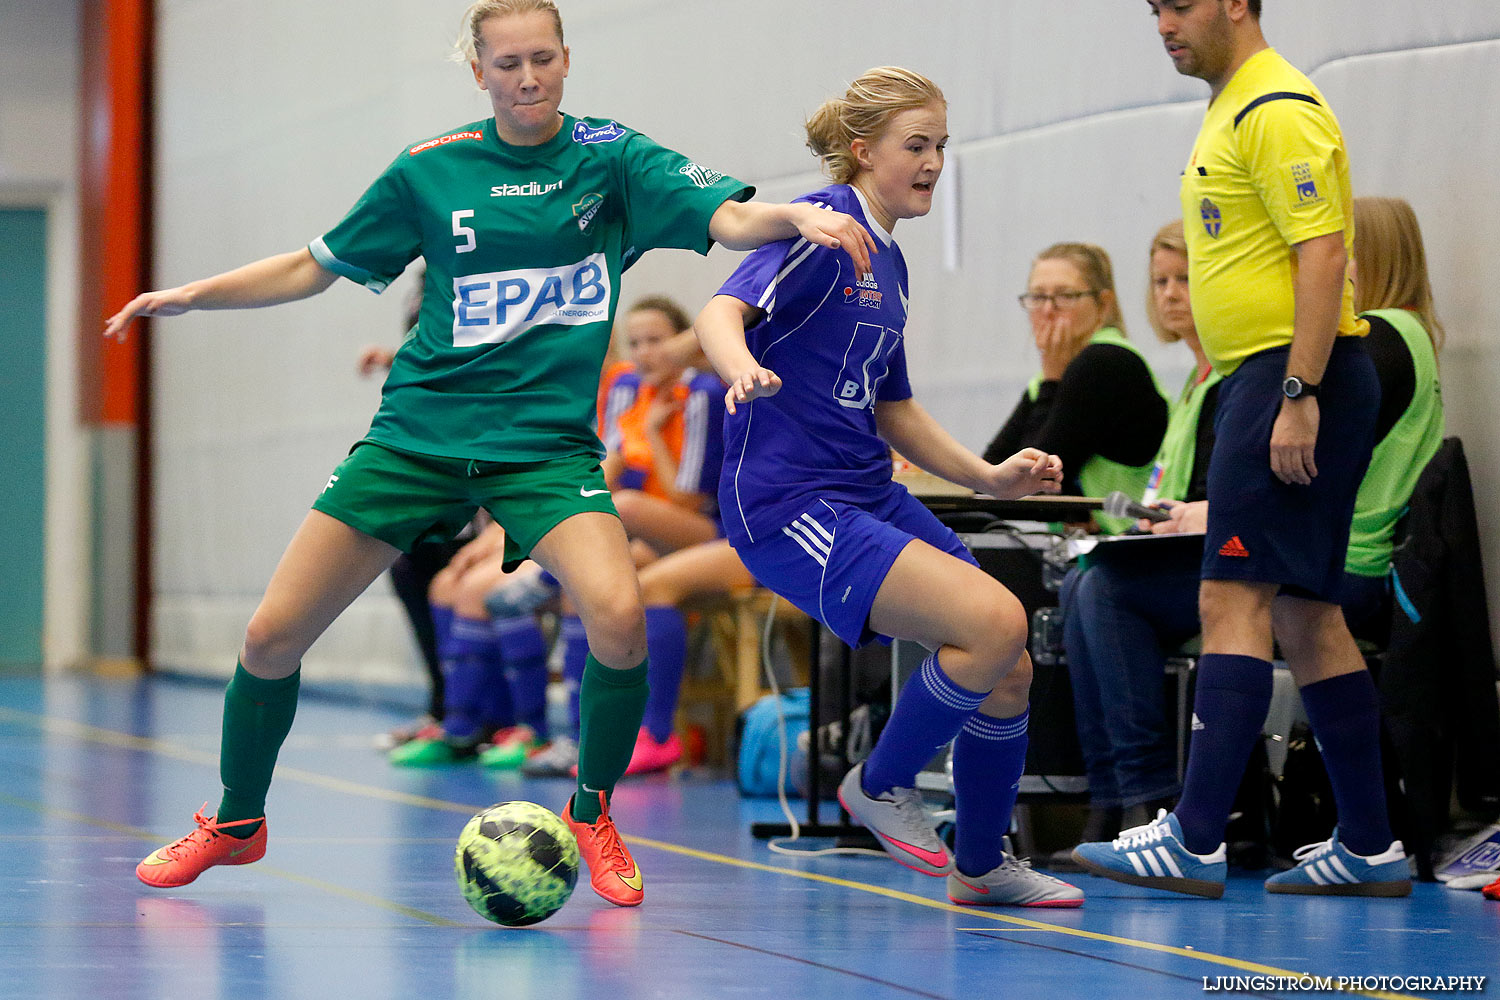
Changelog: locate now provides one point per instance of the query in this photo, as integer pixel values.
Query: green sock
(257, 716)
(611, 707)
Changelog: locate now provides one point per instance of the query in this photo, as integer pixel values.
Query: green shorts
(404, 498)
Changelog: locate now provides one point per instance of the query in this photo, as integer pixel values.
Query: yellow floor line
(109, 737)
(976, 913)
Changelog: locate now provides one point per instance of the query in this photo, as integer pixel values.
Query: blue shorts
(1266, 531)
(831, 560)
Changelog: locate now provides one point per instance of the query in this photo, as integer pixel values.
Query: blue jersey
(835, 338)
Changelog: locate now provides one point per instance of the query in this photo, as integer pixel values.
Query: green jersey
(1400, 457)
(524, 248)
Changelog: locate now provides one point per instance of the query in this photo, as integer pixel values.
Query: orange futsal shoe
(184, 860)
(612, 871)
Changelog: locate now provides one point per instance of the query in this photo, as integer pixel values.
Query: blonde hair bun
(865, 111)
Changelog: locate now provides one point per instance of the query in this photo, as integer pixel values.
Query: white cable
(813, 756)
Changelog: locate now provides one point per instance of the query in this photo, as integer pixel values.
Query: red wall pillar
(115, 38)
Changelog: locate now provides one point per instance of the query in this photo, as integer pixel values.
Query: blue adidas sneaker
(1153, 856)
(1331, 869)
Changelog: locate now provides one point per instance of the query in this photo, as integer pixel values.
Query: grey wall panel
(38, 93)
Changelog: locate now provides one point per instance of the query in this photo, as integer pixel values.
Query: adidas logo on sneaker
(1331, 869)
(1154, 856)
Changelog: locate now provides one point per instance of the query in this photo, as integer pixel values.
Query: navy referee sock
(1229, 711)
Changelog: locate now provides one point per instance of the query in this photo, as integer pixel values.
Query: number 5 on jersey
(463, 231)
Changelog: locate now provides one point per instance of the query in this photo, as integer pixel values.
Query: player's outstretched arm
(747, 225)
(911, 430)
(905, 425)
(283, 278)
(1028, 471)
(721, 331)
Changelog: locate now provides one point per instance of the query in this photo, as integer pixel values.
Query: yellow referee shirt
(1268, 171)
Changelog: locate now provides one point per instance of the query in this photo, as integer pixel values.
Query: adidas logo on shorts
(1234, 547)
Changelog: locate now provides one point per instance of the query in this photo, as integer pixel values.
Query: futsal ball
(516, 863)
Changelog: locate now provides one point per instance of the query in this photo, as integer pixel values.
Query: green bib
(1172, 474)
(1398, 459)
(1099, 476)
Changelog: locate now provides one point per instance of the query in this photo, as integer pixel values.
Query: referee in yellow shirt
(1267, 210)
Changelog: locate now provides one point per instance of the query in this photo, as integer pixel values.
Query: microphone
(1119, 504)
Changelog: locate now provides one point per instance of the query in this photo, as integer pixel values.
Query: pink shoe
(649, 755)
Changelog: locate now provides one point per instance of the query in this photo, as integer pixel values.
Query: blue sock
(1345, 716)
(477, 696)
(666, 650)
(1229, 711)
(442, 622)
(523, 649)
(929, 713)
(575, 657)
(988, 758)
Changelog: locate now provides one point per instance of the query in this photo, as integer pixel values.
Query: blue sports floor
(356, 896)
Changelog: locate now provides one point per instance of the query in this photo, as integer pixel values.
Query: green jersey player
(526, 221)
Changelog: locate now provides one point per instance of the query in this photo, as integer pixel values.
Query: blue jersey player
(808, 503)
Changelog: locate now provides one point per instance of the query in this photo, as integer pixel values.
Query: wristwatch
(1294, 388)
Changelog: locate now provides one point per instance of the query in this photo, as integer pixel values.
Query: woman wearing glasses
(1095, 404)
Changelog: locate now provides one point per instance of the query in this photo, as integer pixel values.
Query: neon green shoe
(509, 748)
(433, 752)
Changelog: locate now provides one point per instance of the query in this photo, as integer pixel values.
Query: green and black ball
(516, 863)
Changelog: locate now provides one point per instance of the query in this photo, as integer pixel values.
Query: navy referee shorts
(1266, 531)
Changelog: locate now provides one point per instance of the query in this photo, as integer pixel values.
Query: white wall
(38, 168)
(38, 92)
(1067, 120)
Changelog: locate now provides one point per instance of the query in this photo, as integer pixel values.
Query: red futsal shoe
(184, 860)
(612, 871)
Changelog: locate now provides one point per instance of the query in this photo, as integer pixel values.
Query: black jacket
(1437, 684)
